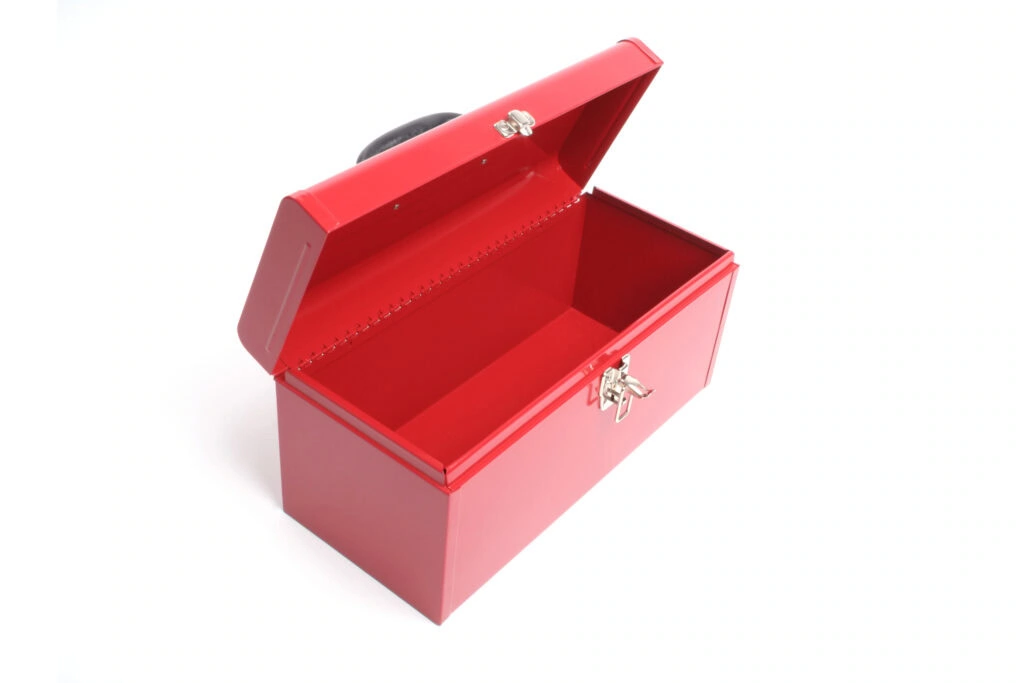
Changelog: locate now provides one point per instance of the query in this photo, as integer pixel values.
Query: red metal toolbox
(458, 332)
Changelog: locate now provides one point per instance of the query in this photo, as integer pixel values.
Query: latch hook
(618, 388)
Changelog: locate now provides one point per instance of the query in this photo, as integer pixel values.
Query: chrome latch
(618, 388)
(517, 122)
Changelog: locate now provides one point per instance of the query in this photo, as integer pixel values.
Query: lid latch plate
(517, 122)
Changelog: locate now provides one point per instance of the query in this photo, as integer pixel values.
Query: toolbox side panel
(380, 514)
(721, 325)
(557, 458)
(285, 268)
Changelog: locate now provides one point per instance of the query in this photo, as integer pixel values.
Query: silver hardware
(517, 122)
(618, 388)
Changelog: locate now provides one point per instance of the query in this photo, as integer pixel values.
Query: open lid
(343, 251)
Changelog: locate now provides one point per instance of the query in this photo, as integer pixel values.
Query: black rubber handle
(403, 133)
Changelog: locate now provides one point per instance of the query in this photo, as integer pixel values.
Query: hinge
(618, 388)
(517, 122)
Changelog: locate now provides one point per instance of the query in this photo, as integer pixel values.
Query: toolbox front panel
(379, 513)
(506, 502)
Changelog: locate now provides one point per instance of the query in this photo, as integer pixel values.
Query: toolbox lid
(507, 162)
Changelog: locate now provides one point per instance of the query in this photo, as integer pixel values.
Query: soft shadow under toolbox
(463, 342)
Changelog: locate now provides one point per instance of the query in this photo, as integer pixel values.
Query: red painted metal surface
(378, 512)
(392, 223)
(560, 454)
(438, 320)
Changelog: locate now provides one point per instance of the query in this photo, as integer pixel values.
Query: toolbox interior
(453, 368)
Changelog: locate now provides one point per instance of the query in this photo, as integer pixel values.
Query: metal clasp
(618, 388)
(517, 122)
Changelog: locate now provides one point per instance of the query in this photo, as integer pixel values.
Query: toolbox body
(458, 333)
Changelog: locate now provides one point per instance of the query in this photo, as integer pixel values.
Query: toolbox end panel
(287, 264)
(380, 514)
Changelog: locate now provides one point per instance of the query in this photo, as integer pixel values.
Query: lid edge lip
(640, 45)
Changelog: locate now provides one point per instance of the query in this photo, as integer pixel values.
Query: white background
(843, 503)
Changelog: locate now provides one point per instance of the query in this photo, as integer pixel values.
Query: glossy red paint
(438, 320)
